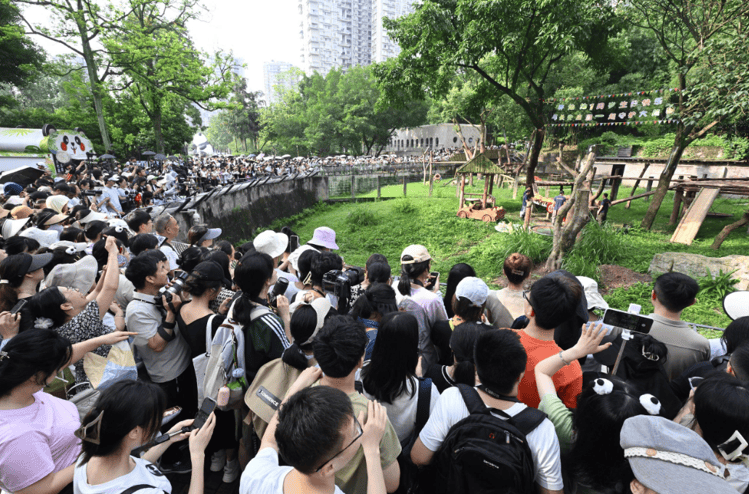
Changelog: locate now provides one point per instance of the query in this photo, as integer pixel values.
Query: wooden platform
(696, 214)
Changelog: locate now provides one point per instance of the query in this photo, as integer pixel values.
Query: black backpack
(414, 480)
(485, 454)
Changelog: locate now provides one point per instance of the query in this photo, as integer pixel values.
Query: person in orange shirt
(550, 301)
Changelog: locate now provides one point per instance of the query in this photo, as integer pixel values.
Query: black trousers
(182, 392)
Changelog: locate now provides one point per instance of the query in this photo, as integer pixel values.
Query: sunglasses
(359, 433)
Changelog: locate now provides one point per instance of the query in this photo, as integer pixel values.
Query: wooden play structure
(480, 206)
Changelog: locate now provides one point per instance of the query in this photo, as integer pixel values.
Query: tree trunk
(564, 236)
(93, 79)
(538, 142)
(664, 181)
(728, 229)
(157, 126)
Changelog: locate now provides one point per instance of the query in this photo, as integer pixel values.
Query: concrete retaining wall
(239, 214)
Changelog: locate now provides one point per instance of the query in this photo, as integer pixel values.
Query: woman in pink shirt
(37, 446)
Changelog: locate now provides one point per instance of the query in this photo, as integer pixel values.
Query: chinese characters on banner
(636, 108)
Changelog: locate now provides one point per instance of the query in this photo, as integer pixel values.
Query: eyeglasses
(359, 433)
(527, 298)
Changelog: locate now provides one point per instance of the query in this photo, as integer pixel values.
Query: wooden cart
(479, 206)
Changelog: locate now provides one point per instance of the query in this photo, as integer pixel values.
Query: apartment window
(436, 141)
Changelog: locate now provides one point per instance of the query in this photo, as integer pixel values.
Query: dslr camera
(339, 283)
(168, 291)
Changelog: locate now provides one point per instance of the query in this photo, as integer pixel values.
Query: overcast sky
(256, 31)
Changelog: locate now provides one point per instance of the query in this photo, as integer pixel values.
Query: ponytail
(409, 274)
(464, 372)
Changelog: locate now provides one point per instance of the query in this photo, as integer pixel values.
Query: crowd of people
(334, 378)
(116, 188)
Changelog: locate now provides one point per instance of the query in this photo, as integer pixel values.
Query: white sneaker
(218, 460)
(231, 471)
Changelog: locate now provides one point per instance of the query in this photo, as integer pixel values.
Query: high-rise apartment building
(271, 71)
(382, 46)
(334, 33)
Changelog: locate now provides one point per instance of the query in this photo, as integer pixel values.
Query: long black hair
(31, 353)
(457, 273)
(123, 406)
(251, 274)
(463, 343)
(302, 326)
(596, 458)
(394, 358)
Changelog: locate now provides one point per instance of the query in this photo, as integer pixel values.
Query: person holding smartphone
(127, 415)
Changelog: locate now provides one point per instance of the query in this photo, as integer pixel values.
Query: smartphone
(205, 410)
(19, 305)
(432, 280)
(625, 320)
(294, 242)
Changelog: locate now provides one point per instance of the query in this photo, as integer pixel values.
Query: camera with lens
(339, 283)
(168, 291)
(278, 289)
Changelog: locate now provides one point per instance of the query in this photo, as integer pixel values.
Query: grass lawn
(388, 226)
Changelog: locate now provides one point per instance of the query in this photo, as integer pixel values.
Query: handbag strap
(136, 488)
(209, 334)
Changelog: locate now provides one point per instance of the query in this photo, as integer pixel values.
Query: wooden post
(546, 191)
(677, 206)
(486, 191)
(637, 182)
(353, 185)
(431, 174)
(379, 191)
(649, 187)
(515, 187)
(470, 182)
(462, 190)
(491, 184)
(405, 181)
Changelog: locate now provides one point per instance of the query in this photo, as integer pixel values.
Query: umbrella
(22, 175)
(172, 157)
(285, 156)
(251, 155)
(148, 153)
(106, 157)
(159, 157)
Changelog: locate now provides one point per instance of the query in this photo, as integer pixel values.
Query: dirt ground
(612, 277)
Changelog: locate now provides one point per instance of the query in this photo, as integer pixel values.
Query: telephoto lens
(278, 289)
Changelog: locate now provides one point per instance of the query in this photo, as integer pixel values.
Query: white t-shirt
(542, 441)
(264, 476)
(171, 256)
(144, 473)
(402, 412)
(430, 301)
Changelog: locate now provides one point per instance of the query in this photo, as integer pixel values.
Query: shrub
(404, 206)
(361, 218)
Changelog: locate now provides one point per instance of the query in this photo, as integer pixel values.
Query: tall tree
(696, 35)
(512, 44)
(80, 22)
(158, 59)
(19, 57)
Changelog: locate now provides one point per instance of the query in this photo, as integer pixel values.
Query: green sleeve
(560, 416)
(390, 446)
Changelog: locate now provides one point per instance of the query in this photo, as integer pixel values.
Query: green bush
(537, 247)
(361, 218)
(404, 206)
